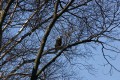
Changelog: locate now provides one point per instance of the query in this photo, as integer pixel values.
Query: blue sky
(102, 72)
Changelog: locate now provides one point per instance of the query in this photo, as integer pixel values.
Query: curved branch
(71, 45)
(49, 28)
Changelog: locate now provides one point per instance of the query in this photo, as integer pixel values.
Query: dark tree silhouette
(28, 30)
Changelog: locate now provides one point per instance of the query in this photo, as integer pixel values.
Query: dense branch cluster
(29, 29)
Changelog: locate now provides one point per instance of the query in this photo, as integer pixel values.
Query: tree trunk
(0, 23)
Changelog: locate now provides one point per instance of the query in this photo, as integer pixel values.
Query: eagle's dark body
(58, 43)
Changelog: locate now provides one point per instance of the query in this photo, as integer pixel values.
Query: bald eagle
(58, 43)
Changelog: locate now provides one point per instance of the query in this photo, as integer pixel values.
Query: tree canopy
(29, 30)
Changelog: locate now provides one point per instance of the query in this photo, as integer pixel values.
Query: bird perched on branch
(58, 43)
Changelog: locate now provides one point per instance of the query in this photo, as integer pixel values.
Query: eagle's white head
(59, 37)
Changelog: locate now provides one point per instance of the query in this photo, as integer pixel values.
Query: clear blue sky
(101, 72)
